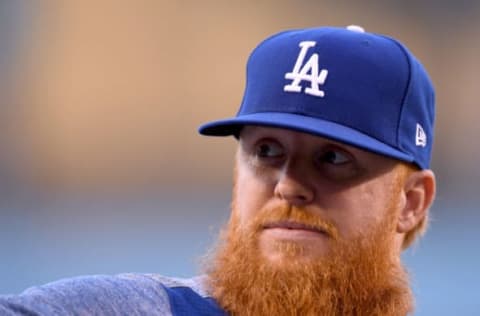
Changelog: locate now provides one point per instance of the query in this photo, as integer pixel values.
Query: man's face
(334, 191)
(313, 230)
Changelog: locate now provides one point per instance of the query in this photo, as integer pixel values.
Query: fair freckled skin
(345, 185)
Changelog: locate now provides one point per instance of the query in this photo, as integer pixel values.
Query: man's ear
(419, 192)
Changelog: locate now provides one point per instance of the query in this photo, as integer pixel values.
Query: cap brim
(305, 124)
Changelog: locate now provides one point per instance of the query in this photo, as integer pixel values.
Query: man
(332, 182)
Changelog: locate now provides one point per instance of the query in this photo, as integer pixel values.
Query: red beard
(357, 277)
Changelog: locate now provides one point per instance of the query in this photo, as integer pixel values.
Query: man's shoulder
(123, 294)
(196, 283)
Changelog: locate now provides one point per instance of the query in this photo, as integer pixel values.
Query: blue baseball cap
(362, 89)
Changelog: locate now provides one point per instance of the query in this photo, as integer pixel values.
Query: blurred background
(101, 167)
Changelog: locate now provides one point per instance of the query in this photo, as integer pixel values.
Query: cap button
(356, 28)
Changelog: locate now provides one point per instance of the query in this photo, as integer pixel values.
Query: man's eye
(269, 149)
(335, 157)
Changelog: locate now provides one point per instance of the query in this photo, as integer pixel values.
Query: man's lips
(294, 226)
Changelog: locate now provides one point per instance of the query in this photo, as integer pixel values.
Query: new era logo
(420, 136)
(308, 71)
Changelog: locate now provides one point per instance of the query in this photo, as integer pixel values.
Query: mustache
(296, 218)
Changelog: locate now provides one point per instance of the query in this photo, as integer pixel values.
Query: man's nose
(293, 187)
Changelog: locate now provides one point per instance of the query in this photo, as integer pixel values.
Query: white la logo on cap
(420, 136)
(309, 72)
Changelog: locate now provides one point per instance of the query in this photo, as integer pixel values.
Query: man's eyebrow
(255, 132)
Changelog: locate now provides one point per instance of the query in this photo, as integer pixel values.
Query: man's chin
(285, 261)
(282, 251)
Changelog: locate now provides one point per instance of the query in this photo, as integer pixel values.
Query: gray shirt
(124, 294)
